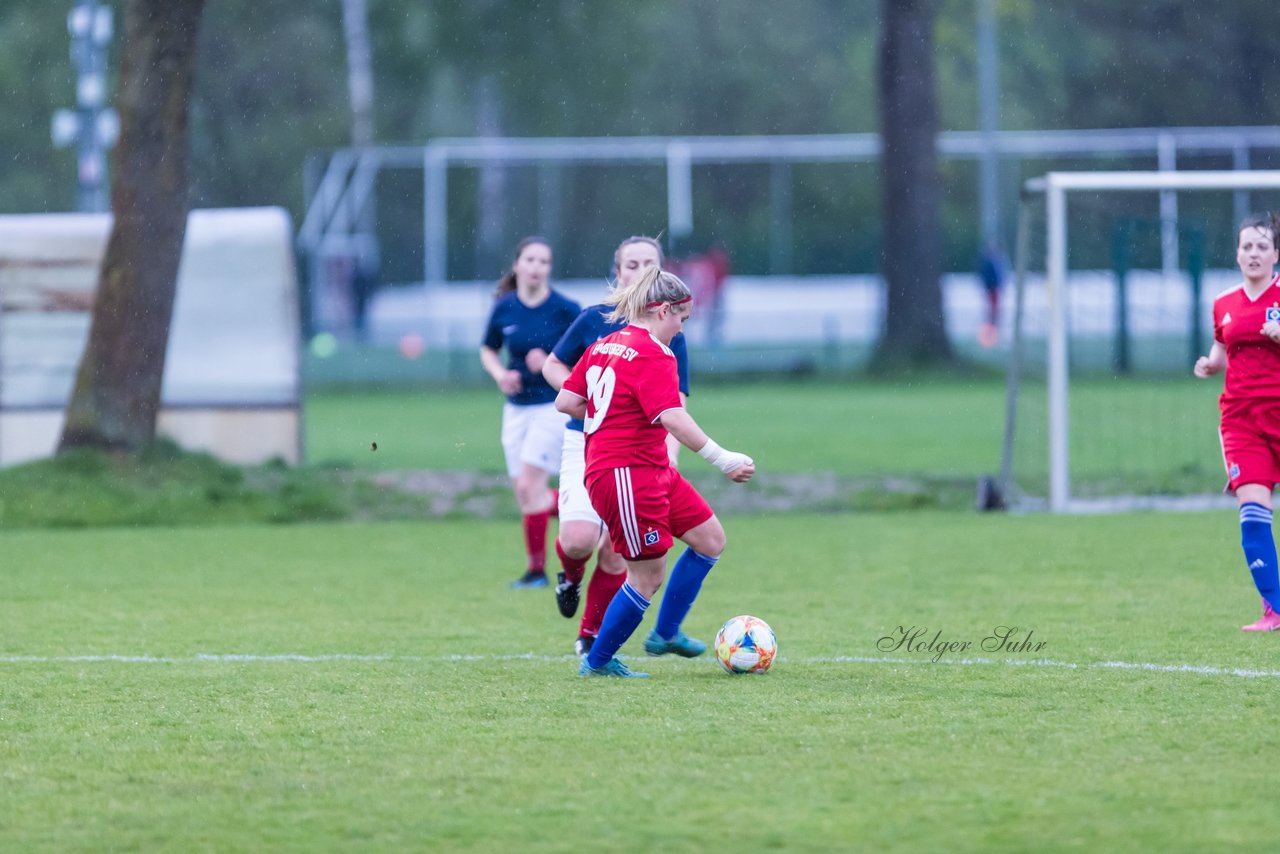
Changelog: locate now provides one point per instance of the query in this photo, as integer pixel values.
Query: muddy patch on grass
(489, 495)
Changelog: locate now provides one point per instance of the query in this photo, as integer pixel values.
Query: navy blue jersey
(520, 329)
(591, 326)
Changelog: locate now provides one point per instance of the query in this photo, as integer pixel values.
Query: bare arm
(555, 371)
(673, 444)
(508, 381)
(570, 404)
(1214, 363)
(679, 423)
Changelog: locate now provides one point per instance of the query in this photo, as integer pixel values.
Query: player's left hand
(535, 359)
(742, 473)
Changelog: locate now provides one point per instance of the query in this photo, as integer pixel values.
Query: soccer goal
(1115, 277)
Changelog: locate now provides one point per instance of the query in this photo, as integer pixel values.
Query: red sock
(555, 504)
(535, 539)
(574, 568)
(600, 592)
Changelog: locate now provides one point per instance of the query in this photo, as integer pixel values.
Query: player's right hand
(1205, 368)
(737, 467)
(511, 383)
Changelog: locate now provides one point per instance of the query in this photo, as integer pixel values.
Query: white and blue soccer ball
(746, 644)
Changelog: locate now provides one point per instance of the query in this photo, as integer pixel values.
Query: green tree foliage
(271, 87)
(36, 78)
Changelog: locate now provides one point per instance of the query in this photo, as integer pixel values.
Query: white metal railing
(334, 209)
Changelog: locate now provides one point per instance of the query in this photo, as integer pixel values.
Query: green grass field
(862, 428)
(1128, 436)
(378, 687)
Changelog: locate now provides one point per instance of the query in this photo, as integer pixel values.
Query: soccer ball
(746, 644)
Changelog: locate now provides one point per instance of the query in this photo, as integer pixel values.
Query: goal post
(1057, 188)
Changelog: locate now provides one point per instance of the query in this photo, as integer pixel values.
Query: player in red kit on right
(1246, 344)
(625, 389)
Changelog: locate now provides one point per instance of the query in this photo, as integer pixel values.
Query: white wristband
(724, 460)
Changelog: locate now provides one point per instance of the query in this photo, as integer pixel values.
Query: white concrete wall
(232, 382)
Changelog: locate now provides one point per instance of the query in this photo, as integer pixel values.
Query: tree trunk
(116, 397)
(914, 331)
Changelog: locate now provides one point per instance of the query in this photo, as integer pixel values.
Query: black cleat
(583, 644)
(566, 596)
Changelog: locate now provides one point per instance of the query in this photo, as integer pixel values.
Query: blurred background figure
(364, 282)
(992, 267)
(706, 274)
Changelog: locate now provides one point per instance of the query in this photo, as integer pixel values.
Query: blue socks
(1260, 551)
(682, 588)
(621, 619)
(626, 611)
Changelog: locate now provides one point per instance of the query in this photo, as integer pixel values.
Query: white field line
(248, 658)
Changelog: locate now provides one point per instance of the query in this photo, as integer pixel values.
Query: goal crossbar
(1056, 186)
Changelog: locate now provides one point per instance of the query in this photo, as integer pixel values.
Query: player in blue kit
(528, 319)
(580, 526)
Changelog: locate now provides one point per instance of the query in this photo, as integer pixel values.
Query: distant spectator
(364, 281)
(992, 267)
(706, 274)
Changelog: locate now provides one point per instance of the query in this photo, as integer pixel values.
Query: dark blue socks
(1260, 551)
(620, 621)
(682, 589)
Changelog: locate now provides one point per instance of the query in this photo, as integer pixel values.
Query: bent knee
(707, 539)
(714, 547)
(579, 541)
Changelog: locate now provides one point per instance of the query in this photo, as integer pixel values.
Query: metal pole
(781, 239)
(1167, 159)
(988, 123)
(1056, 267)
(1241, 198)
(1012, 385)
(435, 215)
(91, 126)
(679, 196)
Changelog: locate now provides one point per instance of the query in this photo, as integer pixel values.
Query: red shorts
(1250, 436)
(645, 507)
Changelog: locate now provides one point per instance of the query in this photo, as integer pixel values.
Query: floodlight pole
(988, 123)
(91, 126)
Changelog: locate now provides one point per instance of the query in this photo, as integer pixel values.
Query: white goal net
(1116, 273)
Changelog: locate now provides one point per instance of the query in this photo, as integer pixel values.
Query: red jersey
(1253, 359)
(628, 380)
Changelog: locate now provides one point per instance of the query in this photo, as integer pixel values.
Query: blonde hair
(652, 288)
(635, 238)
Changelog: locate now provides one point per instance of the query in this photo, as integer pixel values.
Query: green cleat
(681, 645)
(612, 667)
